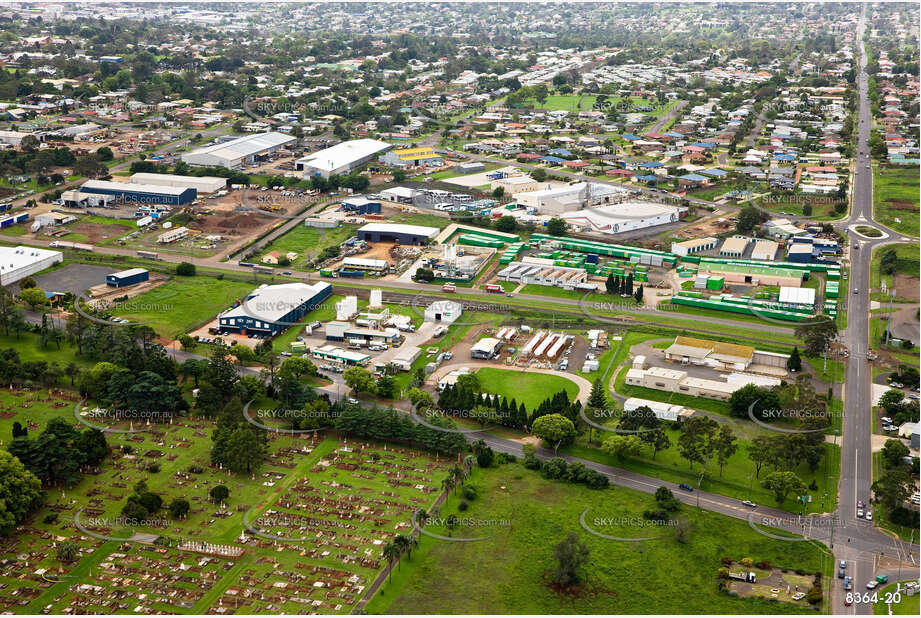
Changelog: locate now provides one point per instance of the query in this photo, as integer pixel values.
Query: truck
(246, 264)
(325, 272)
(344, 272)
(449, 287)
(494, 288)
(66, 244)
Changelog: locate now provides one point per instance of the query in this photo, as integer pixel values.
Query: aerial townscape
(480, 308)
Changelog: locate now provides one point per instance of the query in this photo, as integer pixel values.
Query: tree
(20, 492)
(34, 297)
(105, 153)
(29, 143)
(817, 336)
(506, 223)
(399, 175)
(185, 269)
(888, 261)
(724, 445)
(179, 508)
(694, 443)
(67, 551)
(754, 397)
(570, 555)
(893, 487)
(794, 363)
(27, 282)
(638, 295)
(749, 218)
(555, 429)
(557, 226)
(783, 483)
(893, 452)
(539, 174)
(621, 446)
(760, 452)
(359, 379)
(219, 493)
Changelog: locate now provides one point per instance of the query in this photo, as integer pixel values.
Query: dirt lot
(705, 227)
(907, 287)
(97, 232)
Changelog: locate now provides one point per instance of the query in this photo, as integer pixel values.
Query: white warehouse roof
(245, 146)
(343, 155)
(133, 187)
(202, 184)
(797, 296)
(273, 302)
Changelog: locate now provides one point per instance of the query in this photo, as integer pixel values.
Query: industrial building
(403, 195)
(404, 359)
(663, 411)
(173, 235)
(423, 156)
(78, 199)
(361, 205)
(694, 245)
(783, 229)
(546, 274)
(713, 354)
(12, 138)
(516, 184)
(797, 298)
(765, 250)
(675, 381)
(341, 158)
(272, 308)
(344, 331)
(623, 217)
(127, 277)
(366, 265)
(202, 184)
(19, 262)
(444, 311)
(338, 356)
(486, 348)
(734, 247)
(754, 274)
(571, 197)
(398, 233)
(238, 152)
(142, 194)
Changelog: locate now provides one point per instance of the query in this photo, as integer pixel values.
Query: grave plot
(174, 461)
(144, 579)
(320, 542)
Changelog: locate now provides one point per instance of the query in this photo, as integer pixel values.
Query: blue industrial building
(361, 205)
(270, 309)
(127, 277)
(141, 193)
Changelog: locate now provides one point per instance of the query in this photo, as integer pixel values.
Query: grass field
(183, 303)
(307, 242)
(907, 263)
(523, 516)
(895, 196)
(527, 388)
(906, 605)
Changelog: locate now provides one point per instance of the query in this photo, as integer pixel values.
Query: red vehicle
(494, 288)
(448, 287)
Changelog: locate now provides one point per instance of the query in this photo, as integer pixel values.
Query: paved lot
(73, 278)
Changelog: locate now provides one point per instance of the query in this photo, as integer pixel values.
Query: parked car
(869, 516)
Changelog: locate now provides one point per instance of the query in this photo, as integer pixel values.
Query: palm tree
(402, 544)
(391, 554)
(421, 517)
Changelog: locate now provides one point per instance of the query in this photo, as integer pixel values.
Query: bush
(470, 492)
(463, 505)
(904, 517)
(185, 269)
(51, 518)
(153, 468)
(746, 562)
(764, 565)
(656, 515)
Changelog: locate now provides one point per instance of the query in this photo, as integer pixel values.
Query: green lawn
(907, 263)
(895, 196)
(523, 516)
(183, 303)
(527, 388)
(307, 242)
(906, 605)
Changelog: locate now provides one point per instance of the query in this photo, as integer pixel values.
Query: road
(867, 546)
